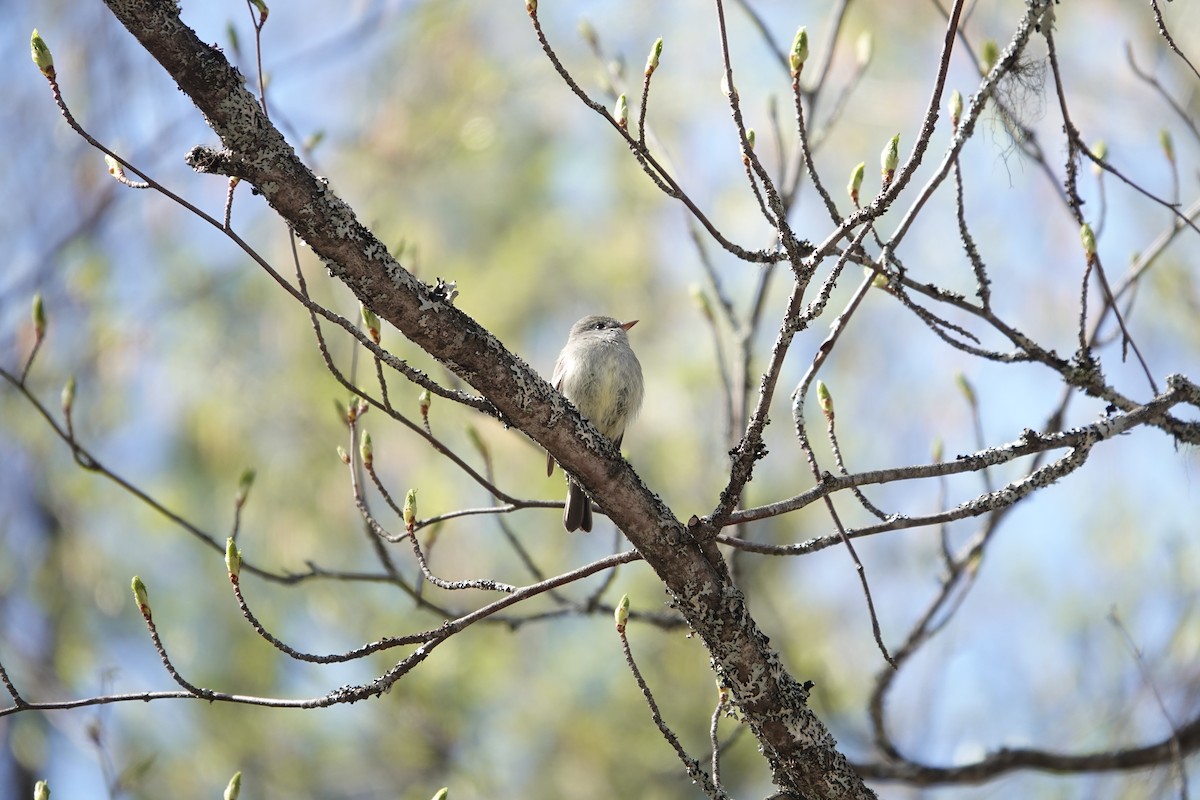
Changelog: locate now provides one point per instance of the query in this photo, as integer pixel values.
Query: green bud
(856, 178)
(365, 450)
(372, 322)
(889, 159)
(263, 11)
(442, 793)
(750, 137)
(244, 483)
(423, 402)
(114, 167)
(880, 281)
(964, 386)
(700, 298)
(586, 31)
(342, 455)
(1168, 146)
(1088, 239)
(956, 106)
(1099, 152)
(799, 52)
(477, 441)
(39, 316)
(621, 112)
(410, 508)
(41, 54)
(621, 613)
(68, 396)
(41, 791)
(233, 560)
(989, 54)
(141, 596)
(825, 400)
(652, 59)
(234, 788)
(864, 48)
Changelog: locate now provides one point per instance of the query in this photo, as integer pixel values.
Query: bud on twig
(341, 451)
(966, 388)
(652, 59)
(956, 106)
(39, 317)
(586, 32)
(621, 613)
(233, 559)
(799, 52)
(856, 178)
(410, 509)
(141, 596)
(372, 322)
(1088, 239)
(263, 11)
(989, 54)
(825, 400)
(889, 159)
(114, 168)
(41, 791)
(621, 112)
(244, 483)
(234, 788)
(1168, 146)
(68, 396)
(40, 52)
(365, 450)
(1099, 152)
(700, 298)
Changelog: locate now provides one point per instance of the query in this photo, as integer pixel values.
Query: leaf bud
(621, 613)
(889, 159)
(956, 107)
(141, 596)
(1168, 146)
(365, 450)
(621, 112)
(825, 400)
(410, 508)
(68, 396)
(233, 558)
(40, 52)
(856, 179)
(652, 59)
(370, 319)
(799, 52)
(39, 316)
(1088, 239)
(234, 788)
(964, 386)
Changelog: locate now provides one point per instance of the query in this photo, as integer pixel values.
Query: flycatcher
(598, 372)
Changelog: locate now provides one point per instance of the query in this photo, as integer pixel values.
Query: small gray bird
(598, 372)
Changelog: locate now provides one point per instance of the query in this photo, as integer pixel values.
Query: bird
(598, 371)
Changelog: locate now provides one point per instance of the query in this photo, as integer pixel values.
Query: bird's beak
(627, 325)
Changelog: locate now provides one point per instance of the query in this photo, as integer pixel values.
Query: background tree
(953, 307)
